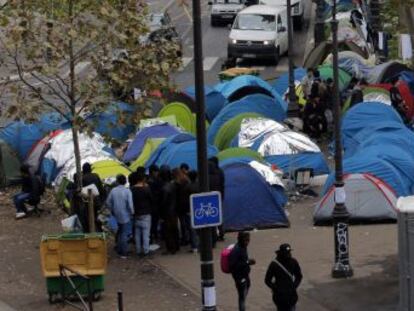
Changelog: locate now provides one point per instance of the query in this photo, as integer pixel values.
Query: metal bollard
(120, 301)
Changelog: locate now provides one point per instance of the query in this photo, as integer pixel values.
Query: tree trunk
(78, 159)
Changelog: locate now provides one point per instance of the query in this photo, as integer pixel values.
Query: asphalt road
(215, 44)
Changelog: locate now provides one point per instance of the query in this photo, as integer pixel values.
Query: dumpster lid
(406, 204)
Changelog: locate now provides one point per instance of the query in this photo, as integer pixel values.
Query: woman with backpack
(283, 277)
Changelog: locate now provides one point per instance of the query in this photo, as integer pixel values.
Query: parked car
(297, 10)
(224, 11)
(259, 31)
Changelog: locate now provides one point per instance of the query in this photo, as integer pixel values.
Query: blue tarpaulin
(282, 83)
(250, 202)
(291, 162)
(156, 131)
(178, 149)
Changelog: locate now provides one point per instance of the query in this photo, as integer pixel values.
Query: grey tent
(319, 53)
(9, 165)
(368, 199)
(383, 72)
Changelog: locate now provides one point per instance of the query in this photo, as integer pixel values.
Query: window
(255, 22)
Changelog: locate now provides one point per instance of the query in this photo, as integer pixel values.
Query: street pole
(342, 267)
(206, 244)
(319, 31)
(293, 108)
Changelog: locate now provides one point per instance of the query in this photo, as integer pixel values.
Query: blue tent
(282, 83)
(214, 100)
(245, 85)
(106, 123)
(249, 201)
(368, 117)
(177, 149)
(21, 136)
(259, 103)
(291, 162)
(156, 131)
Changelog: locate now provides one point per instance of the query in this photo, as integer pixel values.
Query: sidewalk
(373, 256)
(5, 307)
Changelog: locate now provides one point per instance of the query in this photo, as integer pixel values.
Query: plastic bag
(72, 224)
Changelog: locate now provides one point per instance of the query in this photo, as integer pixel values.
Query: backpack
(225, 258)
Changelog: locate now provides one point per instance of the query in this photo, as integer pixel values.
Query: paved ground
(373, 256)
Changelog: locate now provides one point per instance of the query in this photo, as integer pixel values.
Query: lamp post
(205, 234)
(293, 108)
(342, 267)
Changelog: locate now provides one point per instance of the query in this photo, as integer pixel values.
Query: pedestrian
(30, 193)
(142, 199)
(120, 204)
(307, 82)
(283, 277)
(192, 189)
(183, 201)
(239, 263)
(169, 211)
(216, 183)
(155, 184)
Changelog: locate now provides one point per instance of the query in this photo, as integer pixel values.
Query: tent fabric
(178, 149)
(250, 202)
(372, 93)
(108, 122)
(367, 199)
(239, 153)
(214, 101)
(281, 84)
(353, 63)
(254, 84)
(9, 165)
(326, 71)
(258, 103)
(107, 170)
(150, 146)
(180, 97)
(183, 114)
(35, 156)
(156, 131)
(230, 129)
(60, 161)
(384, 72)
(279, 145)
(408, 77)
(21, 136)
(320, 53)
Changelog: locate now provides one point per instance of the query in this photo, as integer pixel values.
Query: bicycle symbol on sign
(206, 210)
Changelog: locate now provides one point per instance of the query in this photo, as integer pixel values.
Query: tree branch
(50, 87)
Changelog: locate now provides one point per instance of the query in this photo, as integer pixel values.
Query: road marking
(186, 61)
(209, 63)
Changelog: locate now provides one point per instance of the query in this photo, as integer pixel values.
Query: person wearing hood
(283, 277)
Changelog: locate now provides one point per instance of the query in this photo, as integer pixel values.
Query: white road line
(209, 63)
(186, 61)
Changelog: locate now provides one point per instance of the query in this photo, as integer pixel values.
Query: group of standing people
(283, 275)
(157, 206)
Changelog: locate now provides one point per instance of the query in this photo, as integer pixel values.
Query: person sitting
(30, 194)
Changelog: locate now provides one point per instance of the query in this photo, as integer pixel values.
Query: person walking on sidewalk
(240, 263)
(142, 198)
(283, 277)
(121, 206)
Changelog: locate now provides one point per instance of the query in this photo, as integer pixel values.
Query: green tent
(183, 115)
(109, 169)
(239, 153)
(231, 128)
(326, 72)
(170, 119)
(374, 94)
(9, 165)
(149, 147)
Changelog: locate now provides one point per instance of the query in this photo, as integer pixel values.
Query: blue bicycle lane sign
(205, 209)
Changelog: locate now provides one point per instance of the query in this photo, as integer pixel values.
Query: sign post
(206, 212)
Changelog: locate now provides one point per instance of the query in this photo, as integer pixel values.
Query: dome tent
(258, 103)
(326, 71)
(281, 84)
(371, 94)
(155, 131)
(234, 153)
(214, 101)
(150, 146)
(183, 115)
(177, 149)
(250, 202)
(280, 145)
(107, 170)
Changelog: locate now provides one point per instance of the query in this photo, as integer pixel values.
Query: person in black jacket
(155, 184)
(142, 198)
(30, 193)
(239, 263)
(283, 277)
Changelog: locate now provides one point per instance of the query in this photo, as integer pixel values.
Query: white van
(297, 10)
(224, 11)
(259, 31)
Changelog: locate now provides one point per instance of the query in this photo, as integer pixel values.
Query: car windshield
(255, 22)
(228, 1)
